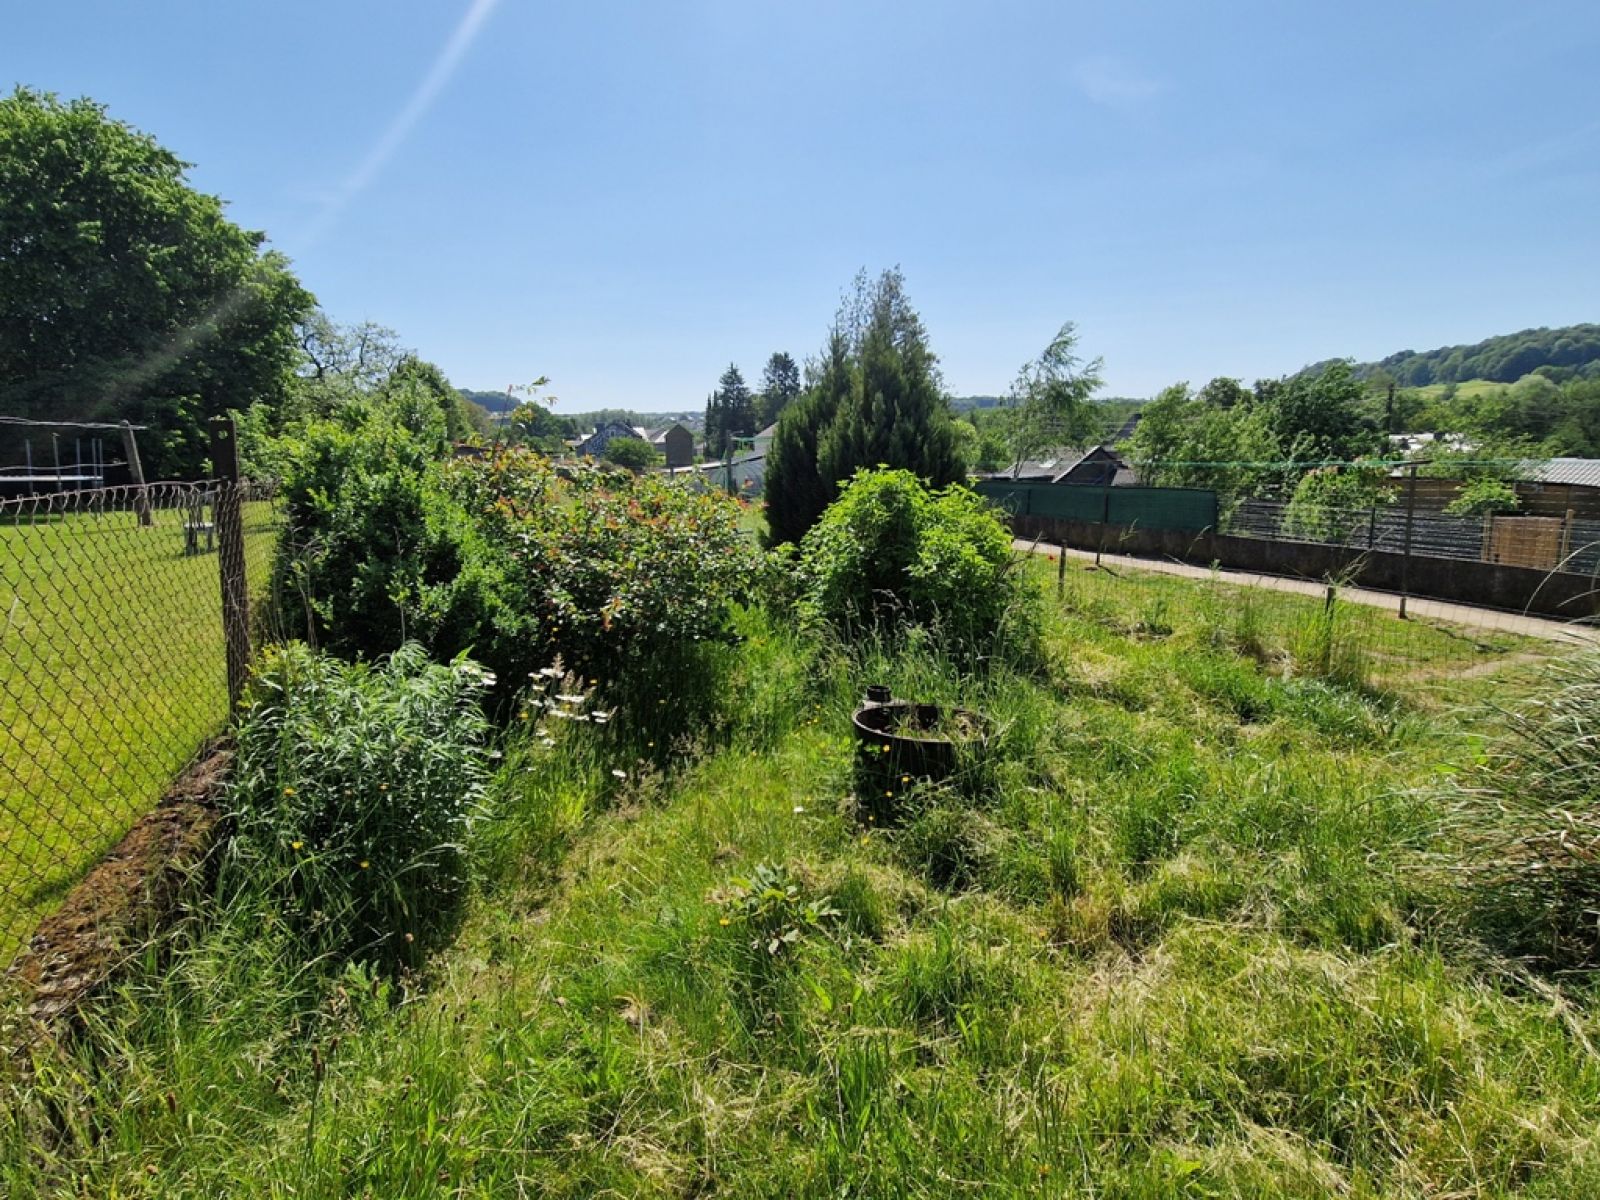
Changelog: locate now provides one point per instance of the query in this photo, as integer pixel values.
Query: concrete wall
(1519, 589)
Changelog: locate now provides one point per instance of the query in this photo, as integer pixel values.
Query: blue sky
(627, 196)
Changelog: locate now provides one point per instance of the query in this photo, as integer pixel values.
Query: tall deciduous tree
(1053, 397)
(780, 387)
(123, 291)
(875, 399)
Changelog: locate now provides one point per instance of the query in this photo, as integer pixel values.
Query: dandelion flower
(889, 795)
(288, 791)
(296, 845)
(365, 864)
(723, 921)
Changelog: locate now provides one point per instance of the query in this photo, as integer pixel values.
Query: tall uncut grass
(1168, 943)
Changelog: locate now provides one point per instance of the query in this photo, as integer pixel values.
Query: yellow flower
(365, 864)
(288, 791)
(724, 921)
(889, 795)
(295, 845)
(383, 787)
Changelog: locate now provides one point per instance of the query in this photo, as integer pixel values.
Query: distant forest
(1570, 352)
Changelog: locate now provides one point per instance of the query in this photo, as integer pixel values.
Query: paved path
(1439, 610)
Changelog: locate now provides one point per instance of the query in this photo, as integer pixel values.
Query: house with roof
(594, 444)
(674, 442)
(1094, 466)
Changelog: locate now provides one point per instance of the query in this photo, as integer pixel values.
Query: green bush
(892, 552)
(1335, 504)
(513, 559)
(353, 789)
(616, 576)
(373, 542)
(634, 453)
(1484, 494)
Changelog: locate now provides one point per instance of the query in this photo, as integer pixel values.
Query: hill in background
(1568, 352)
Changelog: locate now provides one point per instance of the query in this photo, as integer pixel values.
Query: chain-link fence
(1344, 634)
(113, 666)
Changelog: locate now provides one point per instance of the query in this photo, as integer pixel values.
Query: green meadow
(1185, 931)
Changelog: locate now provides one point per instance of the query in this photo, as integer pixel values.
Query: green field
(1465, 389)
(111, 676)
(1184, 935)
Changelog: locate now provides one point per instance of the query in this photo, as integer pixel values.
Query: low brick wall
(1519, 589)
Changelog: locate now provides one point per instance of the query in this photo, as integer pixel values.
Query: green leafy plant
(1331, 504)
(893, 552)
(1485, 494)
(772, 909)
(614, 575)
(634, 453)
(353, 791)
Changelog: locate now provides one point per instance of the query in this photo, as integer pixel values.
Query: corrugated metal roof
(1580, 472)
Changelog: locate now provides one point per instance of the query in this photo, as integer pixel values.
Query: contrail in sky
(427, 91)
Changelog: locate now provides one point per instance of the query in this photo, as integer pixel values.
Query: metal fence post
(230, 556)
(1405, 562)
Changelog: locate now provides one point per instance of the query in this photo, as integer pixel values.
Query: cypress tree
(876, 399)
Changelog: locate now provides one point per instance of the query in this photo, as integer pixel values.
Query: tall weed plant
(1527, 818)
(354, 789)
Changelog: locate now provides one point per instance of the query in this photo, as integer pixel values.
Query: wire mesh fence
(113, 667)
(1551, 543)
(1343, 634)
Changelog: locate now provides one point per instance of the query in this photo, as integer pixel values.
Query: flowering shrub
(605, 573)
(353, 789)
(893, 552)
(514, 559)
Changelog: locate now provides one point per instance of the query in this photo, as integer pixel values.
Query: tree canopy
(730, 412)
(780, 386)
(1567, 352)
(875, 398)
(126, 293)
(1052, 399)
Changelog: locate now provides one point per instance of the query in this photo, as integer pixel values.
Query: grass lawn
(111, 675)
(1182, 936)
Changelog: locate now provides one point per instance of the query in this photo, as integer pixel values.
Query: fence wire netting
(113, 668)
(1550, 543)
(1346, 635)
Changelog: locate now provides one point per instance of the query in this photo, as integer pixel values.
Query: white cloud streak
(1112, 83)
(399, 129)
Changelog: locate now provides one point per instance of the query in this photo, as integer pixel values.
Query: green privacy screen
(1147, 508)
